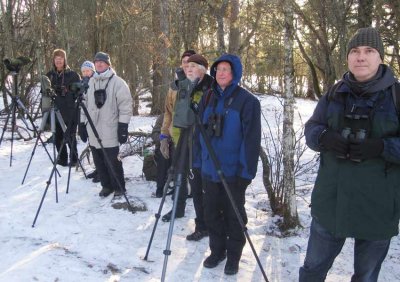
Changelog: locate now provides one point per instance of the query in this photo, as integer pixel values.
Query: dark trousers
(323, 248)
(163, 165)
(107, 179)
(183, 190)
(71, 143)
(224, 230)
(197, 192)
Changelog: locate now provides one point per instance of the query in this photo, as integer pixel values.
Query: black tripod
(67, 136)
(17, 105)
(180, 159)
(54, 114)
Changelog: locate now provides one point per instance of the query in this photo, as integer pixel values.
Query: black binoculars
(359, 135)
(214, 125)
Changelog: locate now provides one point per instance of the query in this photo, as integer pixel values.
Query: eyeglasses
(225, 70)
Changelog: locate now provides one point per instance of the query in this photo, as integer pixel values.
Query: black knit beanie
(104, 57)
(366, 36)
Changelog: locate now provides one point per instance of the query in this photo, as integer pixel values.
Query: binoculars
(359, 135)
(214, 125)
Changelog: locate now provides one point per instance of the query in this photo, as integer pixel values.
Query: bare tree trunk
(234, 34)
(290, 217)
(219, 13)
(160, 56)
(365, 8)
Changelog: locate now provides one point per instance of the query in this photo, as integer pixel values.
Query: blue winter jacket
(238, 147)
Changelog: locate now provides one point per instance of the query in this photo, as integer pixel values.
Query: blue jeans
(323, 248)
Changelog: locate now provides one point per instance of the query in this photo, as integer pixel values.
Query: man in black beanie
(355, 127)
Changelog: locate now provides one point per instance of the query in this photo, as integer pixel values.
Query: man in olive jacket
(109, 103)
(356, 193)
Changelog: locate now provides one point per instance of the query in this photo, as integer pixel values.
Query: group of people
(355, 127)
(236, 144)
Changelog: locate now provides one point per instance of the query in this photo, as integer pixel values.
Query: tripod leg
(30, 160)
(53, 131)
(158, 214)
(5, 125)
(44, 195)
(181, 161)
(13, 122)
(38, 132)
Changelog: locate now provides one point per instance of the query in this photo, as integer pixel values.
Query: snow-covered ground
(84, 238)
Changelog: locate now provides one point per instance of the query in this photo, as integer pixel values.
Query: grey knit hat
(366, 36)
(104, 57)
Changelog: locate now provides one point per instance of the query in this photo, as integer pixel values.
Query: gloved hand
(333, 141)
(122, 132)
(164, 146)
(365, 149)
(83, 132)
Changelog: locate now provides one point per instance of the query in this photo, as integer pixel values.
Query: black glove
(122, 132)
(83, 132)
(331, 140)
(365, 149)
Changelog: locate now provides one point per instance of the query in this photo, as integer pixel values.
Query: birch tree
(290, 217)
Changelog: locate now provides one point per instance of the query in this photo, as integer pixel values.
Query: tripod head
(15, 64)
(80, 88)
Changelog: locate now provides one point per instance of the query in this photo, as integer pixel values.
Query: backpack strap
(332, 90)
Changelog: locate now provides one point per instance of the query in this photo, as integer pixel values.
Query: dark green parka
(358, 199)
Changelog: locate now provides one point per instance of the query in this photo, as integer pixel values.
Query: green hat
(366, 36)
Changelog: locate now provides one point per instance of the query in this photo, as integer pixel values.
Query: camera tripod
(17, 105)
(180, 159)
(67, 135)
(55, 116)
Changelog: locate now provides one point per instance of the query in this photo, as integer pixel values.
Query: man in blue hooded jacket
(356, 194)
(232, 119)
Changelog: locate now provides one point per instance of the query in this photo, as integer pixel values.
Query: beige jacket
(117, 108)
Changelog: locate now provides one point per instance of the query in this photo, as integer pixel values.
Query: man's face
(185, 64)
(194, 71)
(224, 74)
(59, 62)
(363, 62)
(100, 66)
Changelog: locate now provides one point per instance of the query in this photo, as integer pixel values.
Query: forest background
(145, 39)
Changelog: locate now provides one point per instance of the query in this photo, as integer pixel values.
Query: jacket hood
(235, 63)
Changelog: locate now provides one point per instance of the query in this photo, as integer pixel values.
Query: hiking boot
(214, 259)
(118, 193)
(105, 192)
(197, 235)
(92, 174)
(168, 215)
(231, 267)
(62, 162)
(96, 178)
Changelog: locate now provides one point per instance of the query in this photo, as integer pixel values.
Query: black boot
(105, 192)
(168, 215)
(96, 178)
(214, 259)
(92, 174)
(231, 267)
(119, 192)
(197, 235)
